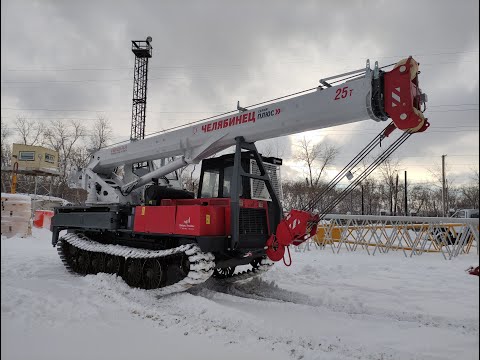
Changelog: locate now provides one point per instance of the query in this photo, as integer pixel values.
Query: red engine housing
(191, 217)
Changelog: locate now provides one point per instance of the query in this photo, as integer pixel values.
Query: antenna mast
(143, 51)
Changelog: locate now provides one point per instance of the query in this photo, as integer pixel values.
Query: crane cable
(354, 162)
(366, 172)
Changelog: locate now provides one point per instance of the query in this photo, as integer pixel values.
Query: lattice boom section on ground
(408, 235)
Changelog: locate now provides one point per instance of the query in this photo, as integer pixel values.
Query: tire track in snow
(258, 289)
(195, 312)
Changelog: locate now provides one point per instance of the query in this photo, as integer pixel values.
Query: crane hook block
(297, 227)
(403, 96)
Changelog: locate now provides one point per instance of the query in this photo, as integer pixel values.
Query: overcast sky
(72, 59)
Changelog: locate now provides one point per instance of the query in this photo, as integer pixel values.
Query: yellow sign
(143, 210)
(207, 219)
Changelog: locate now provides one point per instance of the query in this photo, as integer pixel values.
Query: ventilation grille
(253, 221)
(259, 190)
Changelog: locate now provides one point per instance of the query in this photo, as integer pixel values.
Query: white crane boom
(315, 110)
(371, 94)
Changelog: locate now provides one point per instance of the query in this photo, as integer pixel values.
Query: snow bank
(61, 201)
(325, 306)
(19, 198)
(16, 215)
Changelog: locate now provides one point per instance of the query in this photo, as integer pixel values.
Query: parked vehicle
(450, 234)
(466, 214)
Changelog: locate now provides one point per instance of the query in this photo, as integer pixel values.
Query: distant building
(34, 160)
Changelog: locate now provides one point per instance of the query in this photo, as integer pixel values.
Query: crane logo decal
(118, 149)
(186, 224)
(243, 118)
(266, 112)
(233, 121)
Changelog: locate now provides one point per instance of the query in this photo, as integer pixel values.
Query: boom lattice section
(409, 235)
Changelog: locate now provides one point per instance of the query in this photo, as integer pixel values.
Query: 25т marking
(343, 93)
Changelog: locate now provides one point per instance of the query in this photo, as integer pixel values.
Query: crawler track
(147, 269)
(263, 266)
(141, 268)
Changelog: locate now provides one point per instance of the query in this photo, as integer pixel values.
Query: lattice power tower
(143, 51)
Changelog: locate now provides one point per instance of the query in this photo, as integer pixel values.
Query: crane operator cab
(217, 174)
(248, 214)
(253, 210)
(216, 180)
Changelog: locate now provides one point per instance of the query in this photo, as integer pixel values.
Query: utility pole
(363, 208)
(396, 196)
(444, 194)
(406, 208)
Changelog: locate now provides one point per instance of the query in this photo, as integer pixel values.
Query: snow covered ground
(325, 306)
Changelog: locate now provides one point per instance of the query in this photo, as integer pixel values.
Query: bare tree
(316, 157)
(29, 131)
(271, 148)
(389, 170)
(6, 148)
(79, 157)
(6, 155)
(475, 176)
(450, 189)
(189, 180)
(470, 192)
(101, 135)
(63, 137)
(295, 194)
(423, 200)
(371, 196)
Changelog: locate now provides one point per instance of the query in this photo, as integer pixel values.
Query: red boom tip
(403, 97)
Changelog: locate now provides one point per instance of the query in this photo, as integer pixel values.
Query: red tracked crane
(156, 236)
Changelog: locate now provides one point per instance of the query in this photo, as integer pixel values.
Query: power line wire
(455, 110)
(202, 75)
(453, 105)
(234, 65)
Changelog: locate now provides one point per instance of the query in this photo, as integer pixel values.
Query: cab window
(210, 184)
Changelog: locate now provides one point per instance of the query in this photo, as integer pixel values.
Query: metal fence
(410, 235)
